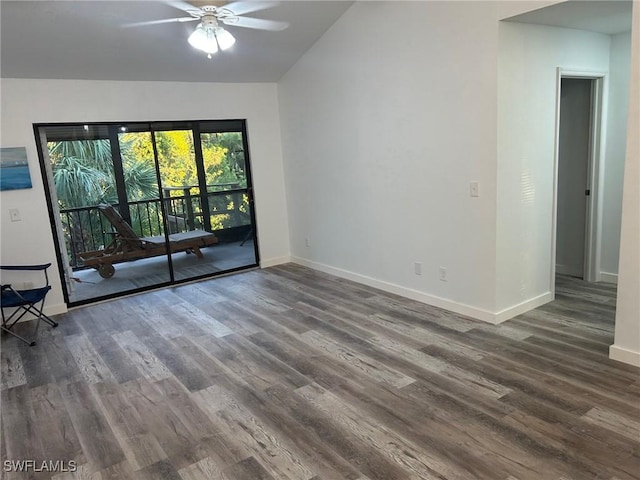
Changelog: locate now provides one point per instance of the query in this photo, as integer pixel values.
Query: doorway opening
(139, 205)
(577, 175)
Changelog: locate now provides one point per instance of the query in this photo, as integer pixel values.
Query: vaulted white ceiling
(86, 40)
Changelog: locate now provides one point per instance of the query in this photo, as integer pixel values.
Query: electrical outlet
(442, 274)
(474, 189)
(307, 241)
(417, 268)
(14, 213)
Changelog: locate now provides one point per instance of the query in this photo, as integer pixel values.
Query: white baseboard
(55, 309)
(461, 308)
(624, 355)
(609, 277)
(457, 307)
(271, 262)
(519, 309)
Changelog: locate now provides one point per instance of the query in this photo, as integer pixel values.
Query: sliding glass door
(227, 196)
(140, 205)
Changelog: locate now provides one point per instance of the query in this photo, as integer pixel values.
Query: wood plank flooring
(288, 373)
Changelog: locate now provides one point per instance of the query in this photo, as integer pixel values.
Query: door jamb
(593, 226)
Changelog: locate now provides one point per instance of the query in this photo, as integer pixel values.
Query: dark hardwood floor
(288, 373)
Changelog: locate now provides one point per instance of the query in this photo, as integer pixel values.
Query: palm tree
(83, 173)
(84, 177)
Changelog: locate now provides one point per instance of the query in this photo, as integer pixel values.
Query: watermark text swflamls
(58, 466)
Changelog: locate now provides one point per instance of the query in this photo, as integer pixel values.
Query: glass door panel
(224, 162)
(228, 191)
(191, 238)
(99, 180)
(142, 190)
(82, 170)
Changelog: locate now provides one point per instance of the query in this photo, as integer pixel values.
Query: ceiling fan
(209, 36)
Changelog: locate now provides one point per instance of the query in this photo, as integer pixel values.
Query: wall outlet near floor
(307, 241)
(417, 268)
(442, 274)
(14, 213)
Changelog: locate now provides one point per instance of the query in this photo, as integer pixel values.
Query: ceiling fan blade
(180, 5)
(157, 22)
(257, 23)
(242, 8)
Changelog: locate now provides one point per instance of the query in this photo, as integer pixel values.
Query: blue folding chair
(24, 301)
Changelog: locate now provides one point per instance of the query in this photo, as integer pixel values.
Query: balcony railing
(86, 229)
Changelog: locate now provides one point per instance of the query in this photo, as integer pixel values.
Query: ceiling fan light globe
(203, 40)
(225, 39)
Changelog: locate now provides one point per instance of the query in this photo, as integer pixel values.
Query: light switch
(14, 213)
(474, 189)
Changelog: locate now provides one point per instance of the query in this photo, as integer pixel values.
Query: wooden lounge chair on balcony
(127, 245)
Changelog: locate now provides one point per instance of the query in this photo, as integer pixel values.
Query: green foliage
(83, 169)
(97, 153)
(216, 170)
(176, 158)
(140, 179)
(83, 173)
(77, 183)
(136, 151)
(224, 158)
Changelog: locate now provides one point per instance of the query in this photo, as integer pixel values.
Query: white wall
(385, 121)
(627, 338)
(529, 56)
(619, 62)
(25, 102)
